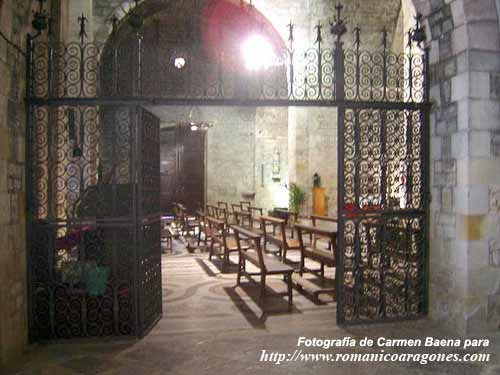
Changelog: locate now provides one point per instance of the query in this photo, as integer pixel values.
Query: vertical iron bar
(409, 158)
(49, 68)
(410, 70)
(384, 159)
(384, 56)
(319, 40)
(134, 180)
(358, 69)
(29, 182)
(338, 29)
(425, 123)
(291, 54)
(357, 158)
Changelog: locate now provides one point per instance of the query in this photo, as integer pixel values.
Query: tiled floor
(209, 326)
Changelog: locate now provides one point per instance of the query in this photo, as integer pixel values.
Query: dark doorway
(182, 168)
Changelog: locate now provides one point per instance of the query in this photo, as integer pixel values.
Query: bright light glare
(258, 53)
(180, 62)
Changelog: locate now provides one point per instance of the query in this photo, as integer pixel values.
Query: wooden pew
(223, 205)
(278, 237)
(325, 257)
(323, 221)
(255, 215)
(236, 207)
(243, 219)
(212, 210)
(267, 265)
(203, 227)
(244, 205)
(189, 223)
(221, 240)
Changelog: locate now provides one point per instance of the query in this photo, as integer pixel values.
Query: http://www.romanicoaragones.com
(382, 349)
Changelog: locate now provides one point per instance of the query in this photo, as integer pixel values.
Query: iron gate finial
(418, 33)
(83, 33)
(338, 28)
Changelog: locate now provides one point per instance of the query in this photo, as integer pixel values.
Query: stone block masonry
(14, 18)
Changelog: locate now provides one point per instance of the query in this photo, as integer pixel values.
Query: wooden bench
(278, 236)
(325, 257)
(189, 223)
(244, 205)
(212, 210)
(255, 215)
(267, 265)
(243, 219)
(203, 227)
(323, 221)
(236, 207)
(221, 239)
(223, 205)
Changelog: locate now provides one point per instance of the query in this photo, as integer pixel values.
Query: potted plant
(297, 198)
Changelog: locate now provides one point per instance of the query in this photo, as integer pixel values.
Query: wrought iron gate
(93, 174)
(383, 181)
(94, 260)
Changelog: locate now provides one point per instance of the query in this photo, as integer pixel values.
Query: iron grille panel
(93, 169)
(383, 216)
(85, 222)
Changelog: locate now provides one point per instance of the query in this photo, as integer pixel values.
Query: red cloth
(72, 239)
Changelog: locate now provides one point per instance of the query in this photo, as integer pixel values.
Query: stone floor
(209, 326)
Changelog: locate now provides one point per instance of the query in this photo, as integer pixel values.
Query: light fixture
(179, 62)
(258, 53)
(194, 122)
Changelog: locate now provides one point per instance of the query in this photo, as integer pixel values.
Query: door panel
(382, 215)
(183, 168)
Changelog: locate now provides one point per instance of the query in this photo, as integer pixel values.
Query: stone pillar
(465, 282)
(14, 18)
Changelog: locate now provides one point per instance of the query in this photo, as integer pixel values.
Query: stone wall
(14, 17)
(230, 160)
(313, 147)
(465, 279)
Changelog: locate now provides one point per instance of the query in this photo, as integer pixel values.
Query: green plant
(297, 197)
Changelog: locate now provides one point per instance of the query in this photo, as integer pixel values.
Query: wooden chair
(221, 240)
(280, 237)
(267, 265)
(325, 257)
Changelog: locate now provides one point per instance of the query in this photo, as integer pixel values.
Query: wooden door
(182, 168)
(168, 169)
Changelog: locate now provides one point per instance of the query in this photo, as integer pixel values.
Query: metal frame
(367, 88)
